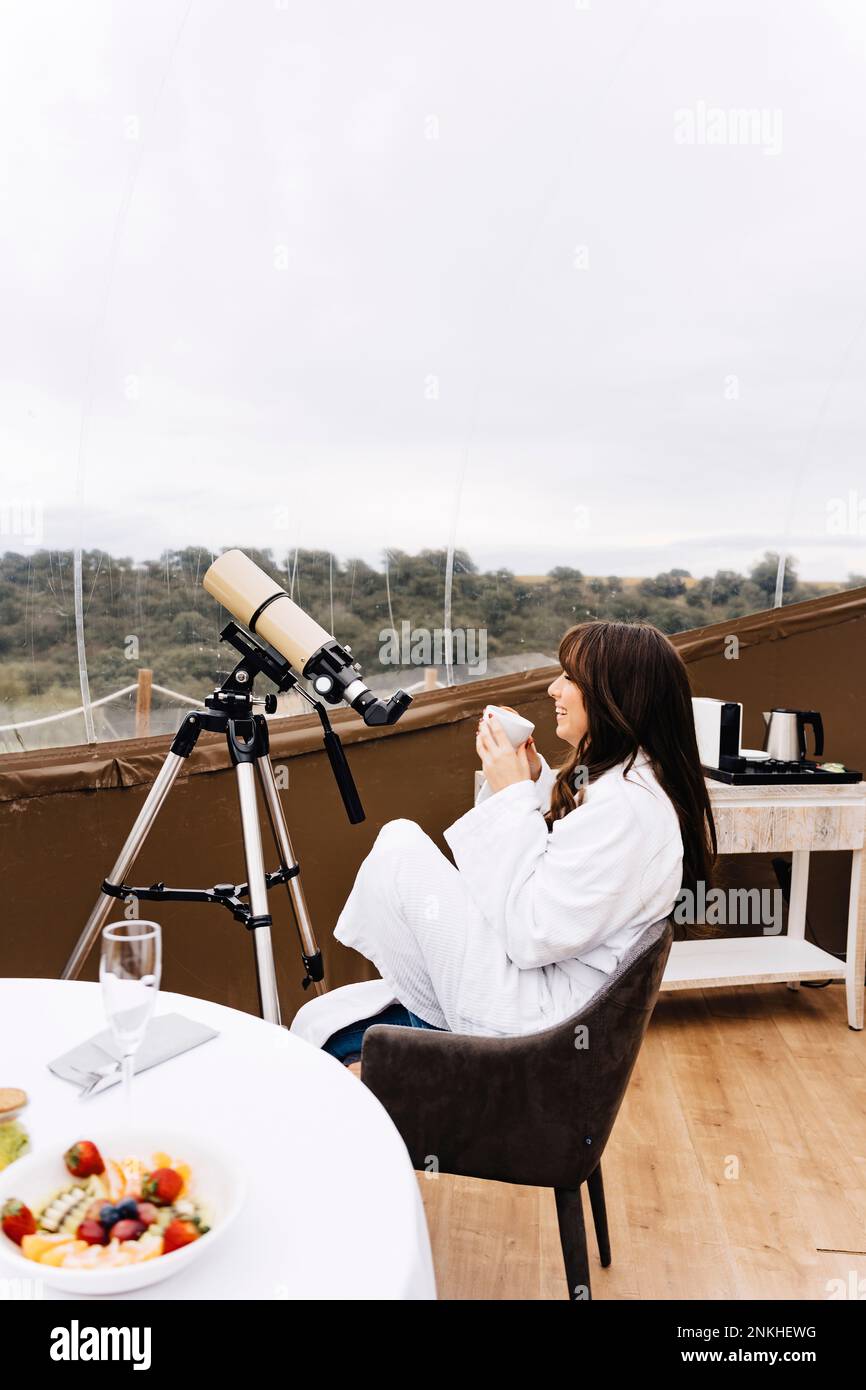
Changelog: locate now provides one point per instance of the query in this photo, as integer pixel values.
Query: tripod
(229, 711)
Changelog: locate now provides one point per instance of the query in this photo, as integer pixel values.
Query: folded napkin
(167, 1036)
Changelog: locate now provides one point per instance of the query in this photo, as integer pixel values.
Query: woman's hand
(533, 757)
(501, 764)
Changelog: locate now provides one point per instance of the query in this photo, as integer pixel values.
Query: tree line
(155, 614)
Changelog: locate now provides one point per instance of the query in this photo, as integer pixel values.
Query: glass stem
(128, 1062)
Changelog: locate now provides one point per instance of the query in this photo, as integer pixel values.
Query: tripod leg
(282, 840)
(137, 835)
(269, 999)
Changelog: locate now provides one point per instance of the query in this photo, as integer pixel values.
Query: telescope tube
(263, 606)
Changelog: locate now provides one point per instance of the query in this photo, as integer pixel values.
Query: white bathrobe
(525, 929)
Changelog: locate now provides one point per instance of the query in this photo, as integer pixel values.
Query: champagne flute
(129, 971)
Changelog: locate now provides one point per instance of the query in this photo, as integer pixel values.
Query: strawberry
(127, 1229)
(84, 1159)
(93, 1232)
(179, 1233)
(147, 1213)
(162, 1187)
(18, 1221)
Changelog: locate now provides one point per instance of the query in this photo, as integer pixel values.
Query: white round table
(333, 1209)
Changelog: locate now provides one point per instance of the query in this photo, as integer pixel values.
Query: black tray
(806, 774)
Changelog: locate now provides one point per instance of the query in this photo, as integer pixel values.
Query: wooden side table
(795, 819)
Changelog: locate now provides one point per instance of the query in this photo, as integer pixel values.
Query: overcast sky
(356, 275)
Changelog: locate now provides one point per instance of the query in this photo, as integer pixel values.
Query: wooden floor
(736, 1169)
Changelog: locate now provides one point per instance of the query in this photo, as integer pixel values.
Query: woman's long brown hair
(637, 696)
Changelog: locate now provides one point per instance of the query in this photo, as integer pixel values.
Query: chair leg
(599, 1215)
(572, 1233)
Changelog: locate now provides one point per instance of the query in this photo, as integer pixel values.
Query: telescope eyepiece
(397, 705)
(375, 712)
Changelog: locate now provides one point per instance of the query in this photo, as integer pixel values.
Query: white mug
(517, 729)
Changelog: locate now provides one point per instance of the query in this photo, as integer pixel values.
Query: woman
(557, 873)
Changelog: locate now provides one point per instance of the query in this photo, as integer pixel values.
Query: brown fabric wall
(65, 813)
(64, 816)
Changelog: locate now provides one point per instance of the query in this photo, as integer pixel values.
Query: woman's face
(571, 720)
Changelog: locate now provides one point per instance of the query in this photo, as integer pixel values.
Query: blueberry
(128, 1210)
(109, 1214)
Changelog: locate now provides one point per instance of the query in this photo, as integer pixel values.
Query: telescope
(283, 644)
(263, 607)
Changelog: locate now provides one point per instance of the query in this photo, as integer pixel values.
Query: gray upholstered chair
(537, 1109)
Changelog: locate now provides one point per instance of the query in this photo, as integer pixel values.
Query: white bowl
(216, 1182)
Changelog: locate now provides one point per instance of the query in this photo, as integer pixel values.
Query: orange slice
(41, 1243)
(60, 1253)
(115, 1180)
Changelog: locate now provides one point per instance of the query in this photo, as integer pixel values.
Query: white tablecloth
(332, 1210)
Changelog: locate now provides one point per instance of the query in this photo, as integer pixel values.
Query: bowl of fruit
(117, 1212)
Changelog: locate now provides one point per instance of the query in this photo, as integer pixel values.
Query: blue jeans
(347, 1042)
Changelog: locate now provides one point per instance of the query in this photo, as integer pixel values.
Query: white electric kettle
(785, 734)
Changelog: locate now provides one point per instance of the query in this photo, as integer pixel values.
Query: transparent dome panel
(460, 350)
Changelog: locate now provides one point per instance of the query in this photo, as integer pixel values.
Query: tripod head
(258, 659)
(235, 699)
